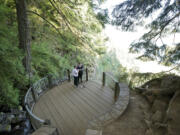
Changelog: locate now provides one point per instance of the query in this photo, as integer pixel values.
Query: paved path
(70, 108)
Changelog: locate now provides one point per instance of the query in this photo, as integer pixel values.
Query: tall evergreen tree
(164, 22)
(24, 33)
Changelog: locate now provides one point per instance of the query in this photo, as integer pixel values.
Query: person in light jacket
(75, 74)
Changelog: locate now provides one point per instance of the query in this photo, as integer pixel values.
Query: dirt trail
(132, 121)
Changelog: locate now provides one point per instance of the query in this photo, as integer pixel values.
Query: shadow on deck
(70, 109)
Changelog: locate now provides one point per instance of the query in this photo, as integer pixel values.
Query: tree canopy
(163, 21)
(62, 33)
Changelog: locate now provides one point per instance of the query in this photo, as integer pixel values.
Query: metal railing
(112, 83)
(121, 97)
(40, 87)
(35, 92)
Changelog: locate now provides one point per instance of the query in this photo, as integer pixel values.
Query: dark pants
(80, 76)
(76, 81)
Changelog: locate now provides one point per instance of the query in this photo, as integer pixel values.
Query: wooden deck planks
(61, 114)
(91, 100)
(96, 101)
(77, 120)
(81, 105)
(107, 91)
(70, 108)
(52, 113)
(98, 96)
(66, 112)
(87, 102)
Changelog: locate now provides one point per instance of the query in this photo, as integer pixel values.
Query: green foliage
(63, 33)
(103, 17)
(109, 63)
(11, 69)
(9, 94)
(164, 22)
(43, 59)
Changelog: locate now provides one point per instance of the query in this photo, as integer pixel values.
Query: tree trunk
(24, 34)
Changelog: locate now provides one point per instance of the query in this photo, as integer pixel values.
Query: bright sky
(120, 41)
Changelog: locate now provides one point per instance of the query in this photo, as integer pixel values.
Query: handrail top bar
(34, 116)
(27, 108)
(111, 76)
(40, 80)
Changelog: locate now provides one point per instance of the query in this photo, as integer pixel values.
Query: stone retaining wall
(95, 125)
(46, 130)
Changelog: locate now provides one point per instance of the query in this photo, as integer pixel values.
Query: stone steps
(46, 130)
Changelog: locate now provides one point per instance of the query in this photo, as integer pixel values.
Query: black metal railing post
(117, 90)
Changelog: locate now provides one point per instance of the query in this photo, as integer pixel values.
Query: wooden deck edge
(119, 107)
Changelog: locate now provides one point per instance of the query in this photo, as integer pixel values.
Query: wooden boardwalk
(70, 108)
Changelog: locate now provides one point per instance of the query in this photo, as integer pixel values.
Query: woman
(75, 74)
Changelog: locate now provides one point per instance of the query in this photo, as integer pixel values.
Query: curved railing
(35, 92)
(121, 97)
(109, 79)
(38, 89)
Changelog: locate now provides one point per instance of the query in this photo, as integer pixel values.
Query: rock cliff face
(173, 115)
(163, 94)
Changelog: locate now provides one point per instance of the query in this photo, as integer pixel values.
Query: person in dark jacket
(80, 67)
